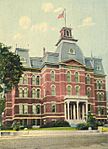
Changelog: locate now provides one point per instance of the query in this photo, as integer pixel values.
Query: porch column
(65, 110)
(68, 109)
(71, 111)
(86, 109)
(83, 111)
(77, 109)
(74, 111)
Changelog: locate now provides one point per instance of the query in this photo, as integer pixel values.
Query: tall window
(99, 84)
(88, 79)
(25, 79)
(21, 80)
(37, 80)
(52, 76)
(25, 92)
(101, 110)
(33, 80)
(76, 77)
(88, 91)
(53, 107)
(69, 90)
(20, 92)
(36, 109)
(100, 96)
(33, 93)
(38, 93)
(77, 88)
(53, 90)
(23, 109)
(68, 76)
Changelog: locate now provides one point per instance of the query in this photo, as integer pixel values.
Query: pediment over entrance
(73, 62)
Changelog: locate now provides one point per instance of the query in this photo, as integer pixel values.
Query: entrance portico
(75, 108)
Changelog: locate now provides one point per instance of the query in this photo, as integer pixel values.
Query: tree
(11, 70)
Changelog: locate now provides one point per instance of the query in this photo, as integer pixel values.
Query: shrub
(82, 126)
(16, 126)
(58, 123)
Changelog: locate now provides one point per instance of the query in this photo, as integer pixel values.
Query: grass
(103, 129)
(54, 128)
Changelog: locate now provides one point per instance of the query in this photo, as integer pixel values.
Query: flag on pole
(61, 15)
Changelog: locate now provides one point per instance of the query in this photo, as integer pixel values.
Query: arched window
(21, 80)
(37, 80)
(33, 93)
(33, 80)
(52, 76)
(53, 90)
(76, 77)
(20, 92)
(88, 79)
(25, 79)
(77, 88)
(68, 76)
(88, 91)
(100, 96)
(38, 93)
(69, 90)
(53, 107)
(99, 84)
(38, 109)
(25, 92)
(67, 32)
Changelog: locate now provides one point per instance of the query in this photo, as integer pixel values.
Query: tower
(66, 34)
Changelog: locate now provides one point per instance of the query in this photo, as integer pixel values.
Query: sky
(33, 24)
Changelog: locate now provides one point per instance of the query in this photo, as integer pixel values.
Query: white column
(77, 110)
(68, 109)
(74, 112)
(86, 109)
(65, 110)
(83, 111)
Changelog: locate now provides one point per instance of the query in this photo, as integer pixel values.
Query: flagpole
(65, 17)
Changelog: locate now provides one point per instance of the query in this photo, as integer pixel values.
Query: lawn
(54, 128)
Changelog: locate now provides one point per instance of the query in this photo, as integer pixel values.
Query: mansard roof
(66, 50)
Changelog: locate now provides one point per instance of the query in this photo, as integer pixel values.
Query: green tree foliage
(10, 68)
(91, 121)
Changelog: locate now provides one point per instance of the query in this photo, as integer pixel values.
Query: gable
(73, 63)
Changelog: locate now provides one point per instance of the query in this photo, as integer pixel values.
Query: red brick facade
(35, 102)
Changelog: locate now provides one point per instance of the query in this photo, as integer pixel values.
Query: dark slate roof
(64, 54)
(51, 57)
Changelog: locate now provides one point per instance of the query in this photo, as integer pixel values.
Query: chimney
(43, 51)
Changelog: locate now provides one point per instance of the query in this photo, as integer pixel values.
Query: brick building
(60, 85)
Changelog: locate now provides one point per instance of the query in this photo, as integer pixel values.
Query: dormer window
(67, 32)
(98, 67)
(72, 51)
(22, 59)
